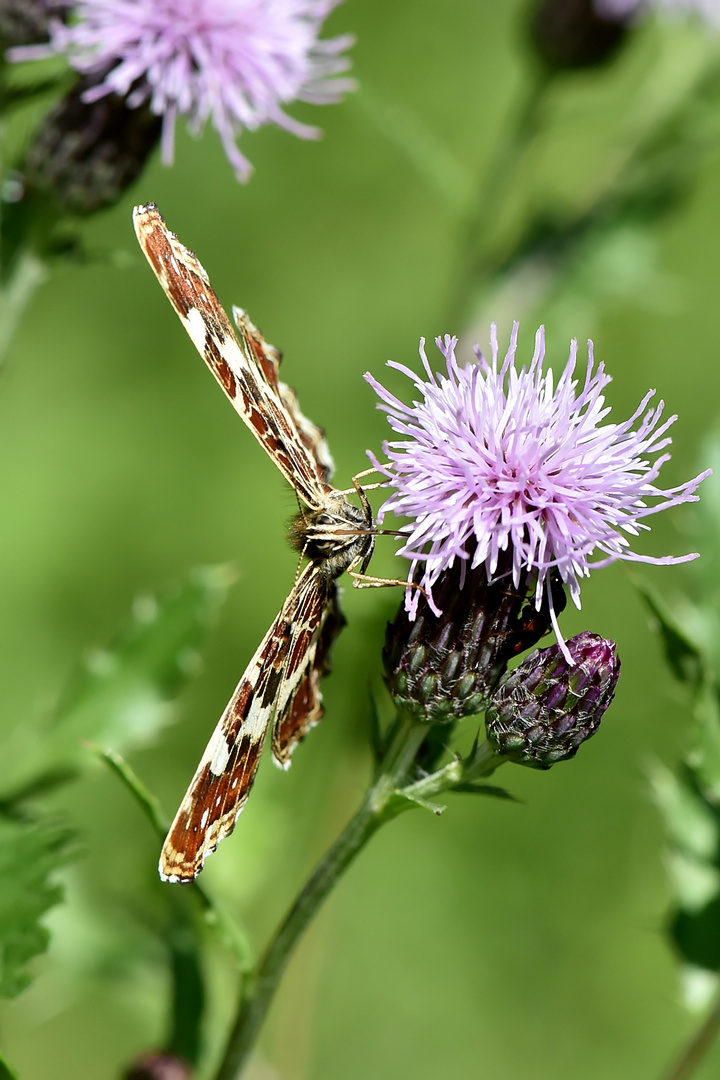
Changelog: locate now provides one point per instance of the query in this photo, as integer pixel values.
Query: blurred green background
(502, 940)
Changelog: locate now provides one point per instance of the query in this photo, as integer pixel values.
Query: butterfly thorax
(336, 537)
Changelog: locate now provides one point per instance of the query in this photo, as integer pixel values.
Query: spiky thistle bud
(440, 667)
(546, 707)
(85, 154)
(572, 34)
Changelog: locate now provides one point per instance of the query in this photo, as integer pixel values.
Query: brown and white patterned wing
(304, 710)
(245, 365)
(280, 682)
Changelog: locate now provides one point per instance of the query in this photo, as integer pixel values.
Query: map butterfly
(280, 686)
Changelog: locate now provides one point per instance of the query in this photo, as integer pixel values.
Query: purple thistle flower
(709, 10)
(493, 459)
(234, 62)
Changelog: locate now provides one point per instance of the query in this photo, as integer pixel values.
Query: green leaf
(693, 864)
(703, 757)
(691, 823)
(188, 993)
(405, 800)
(30, 855)
(6, 1073)
(696, 935)
(123, 694)
(486, 789)
(682, 653)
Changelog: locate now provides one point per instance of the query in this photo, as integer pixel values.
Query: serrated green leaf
(123, 694)
(30, 855)
(682, 653)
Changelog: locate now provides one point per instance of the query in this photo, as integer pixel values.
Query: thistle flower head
(234, 62)
(493, 459)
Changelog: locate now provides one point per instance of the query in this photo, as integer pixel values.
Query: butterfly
(279, 689)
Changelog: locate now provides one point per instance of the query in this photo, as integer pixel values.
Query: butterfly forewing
(245, 365)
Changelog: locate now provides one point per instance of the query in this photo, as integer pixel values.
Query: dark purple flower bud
(572, 34)
(85, 154)
(27, 22)
(546, 707)
(440, 667)
(159, 1067)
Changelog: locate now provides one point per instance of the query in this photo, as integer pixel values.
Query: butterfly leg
(365, 487)
(362, 580)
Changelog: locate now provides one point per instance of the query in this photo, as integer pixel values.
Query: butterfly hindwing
(280, 686)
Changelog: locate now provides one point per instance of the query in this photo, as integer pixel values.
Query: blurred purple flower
(493, 459)
(235, 62)
(709, 10)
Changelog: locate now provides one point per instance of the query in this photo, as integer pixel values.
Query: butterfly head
(336, 537)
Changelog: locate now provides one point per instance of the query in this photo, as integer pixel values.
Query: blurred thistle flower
(496, 460)
(572, 34)
(548, 706)
(708, 10)
(235, 62)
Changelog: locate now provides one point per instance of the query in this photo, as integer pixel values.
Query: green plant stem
(29, 273)
(698, 1046)
(483, 762)
(259, 987)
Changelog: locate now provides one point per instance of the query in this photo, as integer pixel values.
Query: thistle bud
(572, 34)
(159, 1067)
(27, 22)
(546, 707)
(443, 667)
(85, 154)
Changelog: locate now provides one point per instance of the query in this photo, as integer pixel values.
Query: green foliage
(231, 935)
(6, 1073)
(689, 797)
(31, 853)
(123, 695)
(121, 464)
